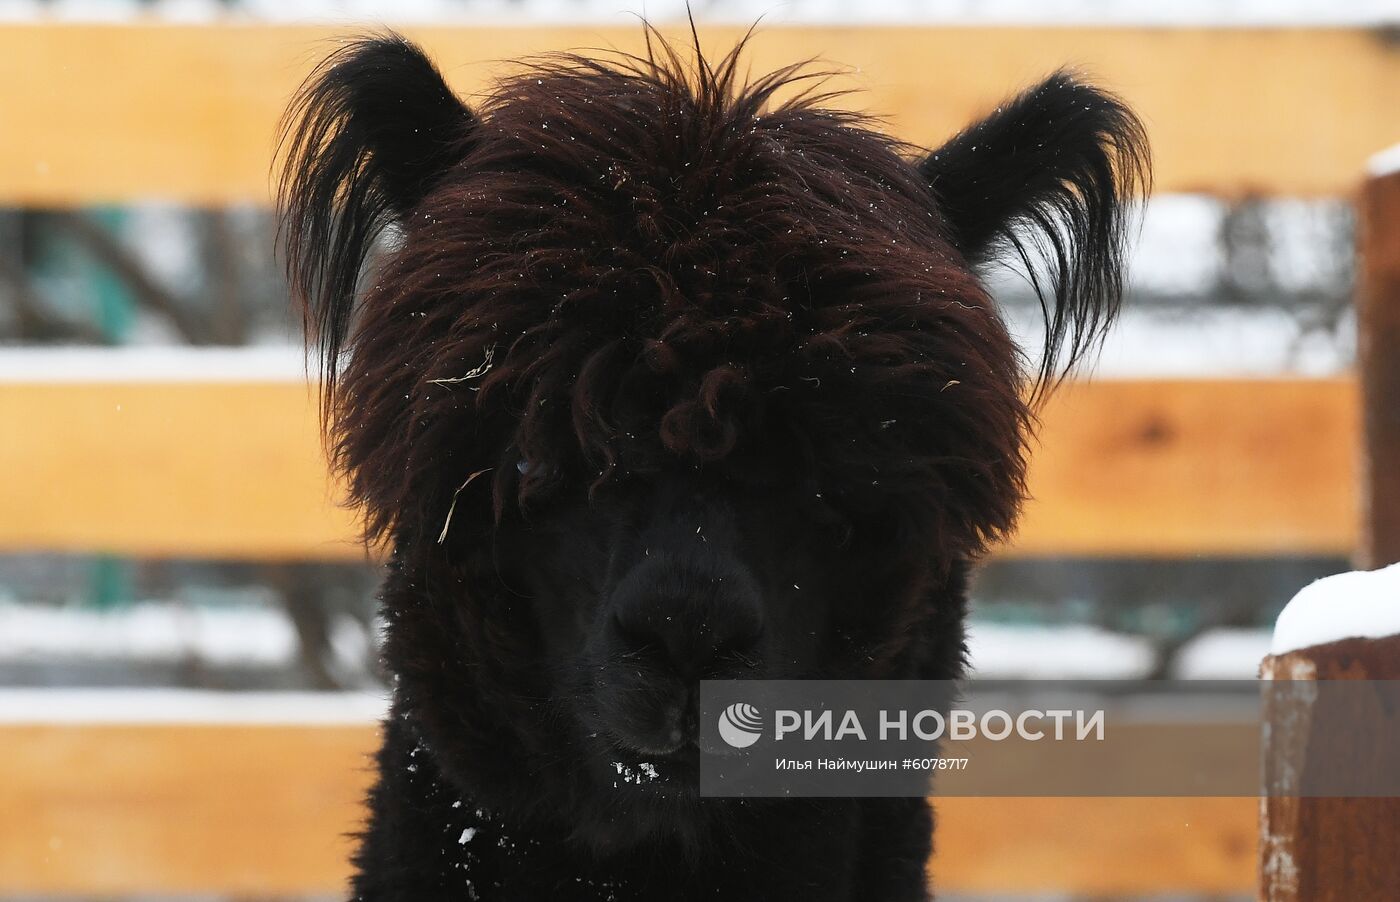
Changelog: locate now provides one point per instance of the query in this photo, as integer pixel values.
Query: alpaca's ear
(1047, 182)
(370, 132)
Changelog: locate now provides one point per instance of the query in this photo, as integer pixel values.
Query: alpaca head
(661, 379)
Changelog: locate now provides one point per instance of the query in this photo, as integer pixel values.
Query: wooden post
(1336, 848)
(1378, 326)
(1329, 849)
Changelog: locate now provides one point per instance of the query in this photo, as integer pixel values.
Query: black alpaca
(660, 379)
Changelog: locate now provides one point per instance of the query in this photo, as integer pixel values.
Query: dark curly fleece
(657, 380)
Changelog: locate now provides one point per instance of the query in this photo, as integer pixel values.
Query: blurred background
(166, 527)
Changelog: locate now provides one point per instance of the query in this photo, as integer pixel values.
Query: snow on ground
(1145, 343)
(1364, 604)
(158, 363)
(1223, 654)
(1084, 652)
(165, 632)
(997, 651)
(249, 636)
(183, 706)
(1210, 343)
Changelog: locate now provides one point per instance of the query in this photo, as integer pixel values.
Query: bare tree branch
(125, 266)
(34, 320)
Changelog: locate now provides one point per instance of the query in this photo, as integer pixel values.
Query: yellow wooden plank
(1179, 468)
(264, 811)
(244, 811)
(236, 471)
(188, 470)
(1099, 848)
(111, 113)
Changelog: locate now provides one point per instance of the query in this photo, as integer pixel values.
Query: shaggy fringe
(605, 246)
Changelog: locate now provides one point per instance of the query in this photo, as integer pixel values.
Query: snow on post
(1346, 606)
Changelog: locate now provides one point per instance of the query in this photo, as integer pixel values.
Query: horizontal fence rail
(233, 468)
(269, 809)
(116, 113)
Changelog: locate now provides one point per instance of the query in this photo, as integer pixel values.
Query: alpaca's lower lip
(675, 750)
(685, 755)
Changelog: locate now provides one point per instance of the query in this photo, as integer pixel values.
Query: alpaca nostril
(691, 616)
(634, 636)
(690, 646)
(634, 639)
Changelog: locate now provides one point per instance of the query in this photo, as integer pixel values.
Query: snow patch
(184, 706)
(1050, 653)
(1223, 654)
(157, 363)
(1145, 342)
(1384, 163)
(1212, 343)
(1362, 604)
(247, 636)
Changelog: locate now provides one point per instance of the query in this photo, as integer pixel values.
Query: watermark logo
(740, 725)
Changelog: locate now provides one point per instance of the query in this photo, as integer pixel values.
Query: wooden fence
(265, 810)
(233, 469)
(188, 113)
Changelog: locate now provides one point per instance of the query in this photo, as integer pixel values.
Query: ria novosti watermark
(907, 738)
(740, 725)
(930, 725)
